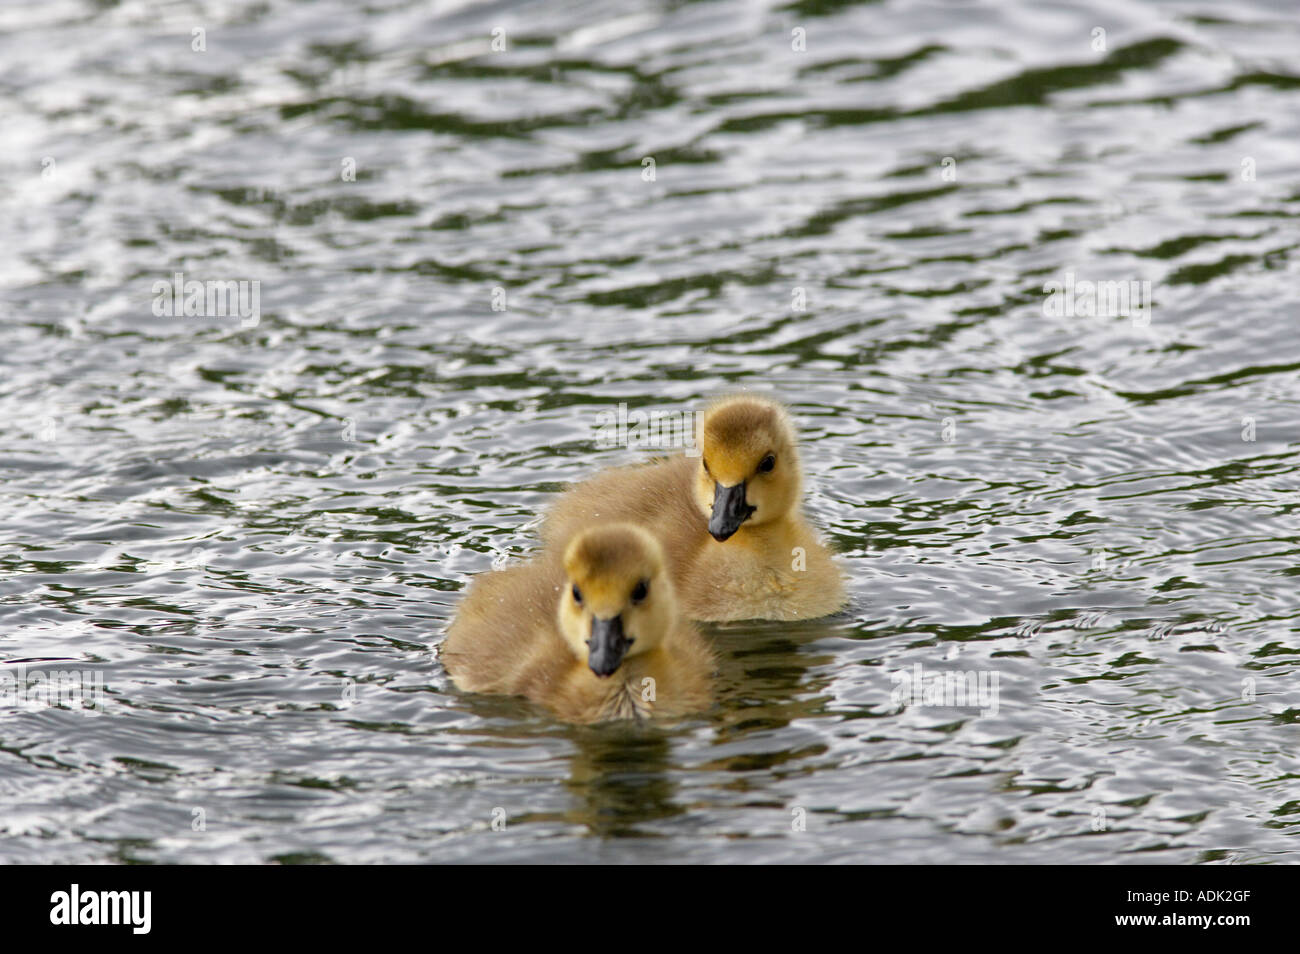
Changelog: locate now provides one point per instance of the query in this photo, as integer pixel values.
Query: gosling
(595, 636)
(730, 521)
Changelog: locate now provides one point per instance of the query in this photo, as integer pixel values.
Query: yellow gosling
(594, 637)
(729, 520)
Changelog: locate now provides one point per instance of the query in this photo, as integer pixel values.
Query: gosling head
(749, 466)
(619, 601)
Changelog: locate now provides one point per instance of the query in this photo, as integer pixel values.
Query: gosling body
(729, 520)
(572, 635)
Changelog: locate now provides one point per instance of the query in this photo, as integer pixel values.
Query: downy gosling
(595, 636)
(730, 520)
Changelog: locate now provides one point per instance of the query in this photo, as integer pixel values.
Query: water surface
(256, 533)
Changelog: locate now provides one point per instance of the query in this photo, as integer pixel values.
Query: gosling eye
(577, 594)
(766, 464)
(641, 591)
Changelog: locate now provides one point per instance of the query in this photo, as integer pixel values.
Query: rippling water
(255, 533)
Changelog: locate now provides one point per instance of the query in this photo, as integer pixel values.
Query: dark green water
(255, 534)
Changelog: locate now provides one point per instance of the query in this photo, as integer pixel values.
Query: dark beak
(729, 510)
(607, 646)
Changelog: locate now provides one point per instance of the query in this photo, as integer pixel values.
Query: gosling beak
(607, 646)
(729, 510)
